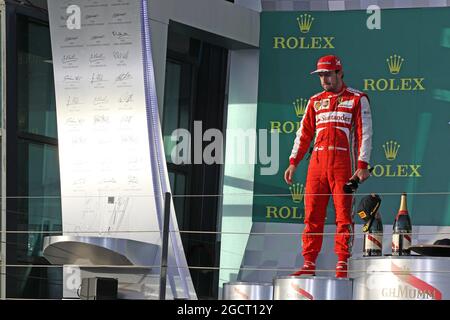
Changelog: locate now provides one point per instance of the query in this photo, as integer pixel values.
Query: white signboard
(111, 175)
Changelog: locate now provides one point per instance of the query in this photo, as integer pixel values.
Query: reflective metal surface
(247, 291)
(98, 251)
(312, 288)
(400, 278)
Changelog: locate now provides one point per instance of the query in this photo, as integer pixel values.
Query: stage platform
(370, 278)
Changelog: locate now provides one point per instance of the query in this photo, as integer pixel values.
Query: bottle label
(400, 242)
(374, 241)
(406, 238)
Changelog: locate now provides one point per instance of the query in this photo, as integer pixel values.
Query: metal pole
(165, 247)
(3, 155)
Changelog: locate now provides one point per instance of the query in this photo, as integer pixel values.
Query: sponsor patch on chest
(346, 104)
(335, 116)
(322, 104)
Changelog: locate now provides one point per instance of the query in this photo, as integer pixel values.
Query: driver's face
(330, 81)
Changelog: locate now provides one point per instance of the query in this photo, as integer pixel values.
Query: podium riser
(247, 291)
(312, 288)
(400, 278)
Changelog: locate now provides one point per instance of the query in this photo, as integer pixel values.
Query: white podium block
(312, 288)
(400, 278)
(247, 291)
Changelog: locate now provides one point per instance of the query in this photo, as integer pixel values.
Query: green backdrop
(404, 68)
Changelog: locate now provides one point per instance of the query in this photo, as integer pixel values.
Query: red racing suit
(342, 124)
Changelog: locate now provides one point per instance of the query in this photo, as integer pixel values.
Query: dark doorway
(196, 73)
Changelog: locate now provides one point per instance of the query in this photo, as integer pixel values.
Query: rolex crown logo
(391, 150)
(300, 106)
(395, 63)
(304, 22)
(297, 192)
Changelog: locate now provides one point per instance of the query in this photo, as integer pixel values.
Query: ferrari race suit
(342, 123)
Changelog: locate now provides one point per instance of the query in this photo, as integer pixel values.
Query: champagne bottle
(373, 238)
(401, 236)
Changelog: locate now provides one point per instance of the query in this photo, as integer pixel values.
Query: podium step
(400, 278)
(247, 291)
(312, 288)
